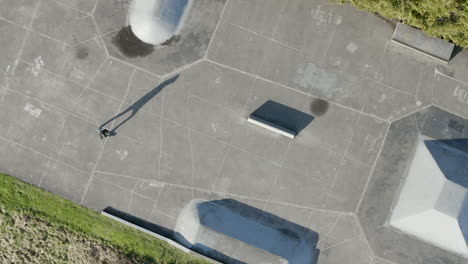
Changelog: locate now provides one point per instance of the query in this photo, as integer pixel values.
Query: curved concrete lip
(156, 21)
(224, 235)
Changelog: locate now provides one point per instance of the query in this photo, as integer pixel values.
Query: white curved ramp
(227, 236)
(156, 21)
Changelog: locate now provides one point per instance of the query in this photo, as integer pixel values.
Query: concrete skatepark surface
(62, 75)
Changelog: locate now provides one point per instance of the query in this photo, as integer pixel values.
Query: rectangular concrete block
(415, 39)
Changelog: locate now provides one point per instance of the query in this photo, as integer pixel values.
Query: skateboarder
(103, 133)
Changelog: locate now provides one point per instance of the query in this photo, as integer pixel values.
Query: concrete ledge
(416, 40)
(170, 241)
(270, 126)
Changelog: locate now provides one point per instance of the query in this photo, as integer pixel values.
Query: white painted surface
(32, 110)
(429, 204)
(155, 21)
(272, 128)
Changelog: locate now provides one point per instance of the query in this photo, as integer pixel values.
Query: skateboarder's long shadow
(135, 107)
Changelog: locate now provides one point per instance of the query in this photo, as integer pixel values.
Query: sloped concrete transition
(221, 233)
(433, 204)
(422, 178)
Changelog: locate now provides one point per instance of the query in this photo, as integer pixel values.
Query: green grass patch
(17, 196)
(446, 19)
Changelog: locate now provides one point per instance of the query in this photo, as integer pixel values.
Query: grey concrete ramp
(226, 235)
(415, 39)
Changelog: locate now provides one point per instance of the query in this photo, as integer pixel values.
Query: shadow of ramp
(451, 155)
(231, 232)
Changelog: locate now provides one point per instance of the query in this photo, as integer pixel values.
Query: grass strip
(18, 196)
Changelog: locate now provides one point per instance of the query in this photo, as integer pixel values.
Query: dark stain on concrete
(130, 45)
(174, 39)
(319, 107)
(82, 53)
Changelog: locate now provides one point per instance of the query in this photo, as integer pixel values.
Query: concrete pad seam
(205, 101)
(132, 192)
(5, 89)
(394, 89)
(93, 171)
(298, 91)
(90, 88)
(268, 38)
(106, 139)
(46, 169)
(133, 66)
(88, 39)
(412, 113)
(381, 61)
(363, 234)
(53, 107)
(154, 207)
(63, 3)
(59, 76)
(103, 34)
(416, 122)
(20, 52)
(331, 229)
(77, 100)
(432, 86)
(342, 242)
(330, 40)
(449, 111)
(238, 250)
(275, 28)
(221, 17)
(12, 22)
(170, 216)
(160, 140)
(64, 63)
(111, 183)
(343, 159)
(219, 176)
(372, 170)
(94, 8)
(395, 197)
(34, 14)
(419, 81)
(221, 193)
(180, 69)
(226, 143)
(268, 200)
(68, 165)
(99, 36)
(384, 260)
(56, 152)
(450, 77)
(189, 134)
(24, 146)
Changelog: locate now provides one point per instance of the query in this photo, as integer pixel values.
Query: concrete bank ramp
(234, 234)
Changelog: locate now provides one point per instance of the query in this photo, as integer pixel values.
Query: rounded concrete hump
(188, 223)
(156, 21)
